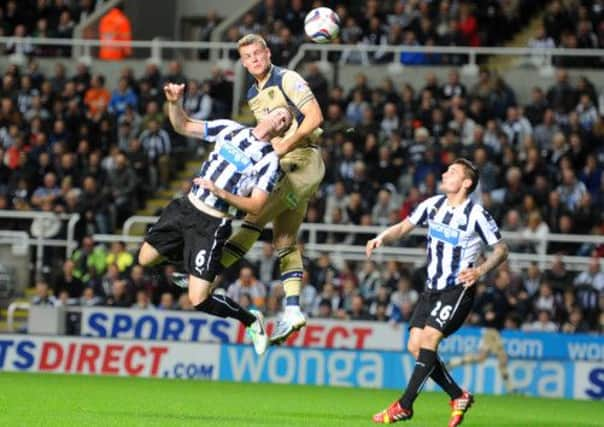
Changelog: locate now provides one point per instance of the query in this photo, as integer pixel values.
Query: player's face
(280, 119)
(255, 58)
(453, 179)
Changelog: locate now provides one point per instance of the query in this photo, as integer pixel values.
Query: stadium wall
(229, 362)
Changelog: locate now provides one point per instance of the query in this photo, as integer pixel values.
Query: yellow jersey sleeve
(296, 89)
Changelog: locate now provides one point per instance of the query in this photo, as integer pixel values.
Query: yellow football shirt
(282, 88)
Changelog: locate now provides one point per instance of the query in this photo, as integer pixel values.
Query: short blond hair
(250, 39)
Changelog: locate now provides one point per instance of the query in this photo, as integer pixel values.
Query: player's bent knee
(199, 290)
(430, 338)
(284, 241)
(413, 348)
(197, 299)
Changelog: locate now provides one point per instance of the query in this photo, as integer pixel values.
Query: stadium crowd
(572, 25)
(384, 23)
(541, 167)
(25, 19)
(68, 144)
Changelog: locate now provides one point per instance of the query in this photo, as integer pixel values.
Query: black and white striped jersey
(238, 163)
(454, 237)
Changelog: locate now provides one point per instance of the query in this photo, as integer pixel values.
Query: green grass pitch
(67, 400)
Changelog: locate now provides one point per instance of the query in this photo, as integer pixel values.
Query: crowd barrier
(289, 365)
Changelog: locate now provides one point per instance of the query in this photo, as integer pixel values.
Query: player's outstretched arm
(469, 276)
(390, 234)
(182, 123)
(251, 204)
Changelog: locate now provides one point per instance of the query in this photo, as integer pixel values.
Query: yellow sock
(291, 274)
(239, 243)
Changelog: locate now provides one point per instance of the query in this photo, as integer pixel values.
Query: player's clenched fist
(371, 245)
(174, 91)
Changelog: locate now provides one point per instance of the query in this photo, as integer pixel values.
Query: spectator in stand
(267, 265)
(121, 97)
(47, 193)
(115, 26)
(20, 43)
(67, 281)
(167, 302)
(593, 277)
(562, 97)
(94, 205)
(198, 103)
(184, 303)
(571, 189)
(516, 127)
(542, 324)
(119, 256)
(158, 146)
(97, 98)
(453, 87)
(358, 309)
(122, 184)
(43, 296)
(308, 293)
(588, 113)
(119, 296)
(89, 299)
(575, 322)
(142, 301)
(247, 284)
(535, 233)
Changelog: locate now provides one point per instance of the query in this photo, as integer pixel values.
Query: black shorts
(185, 233)
(444, 310)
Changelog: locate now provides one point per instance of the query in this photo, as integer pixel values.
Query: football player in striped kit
(239, 174)
(457, 228)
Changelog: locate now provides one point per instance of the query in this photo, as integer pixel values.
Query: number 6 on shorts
(200, 261)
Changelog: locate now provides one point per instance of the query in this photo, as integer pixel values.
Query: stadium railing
(339, 252)
(412, 255)
(82, 52)
(39, 241)
(10, 313)
(472, 52)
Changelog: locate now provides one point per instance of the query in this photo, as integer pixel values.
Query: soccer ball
(322, 25)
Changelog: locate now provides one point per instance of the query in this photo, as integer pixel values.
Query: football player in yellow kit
(302, 166)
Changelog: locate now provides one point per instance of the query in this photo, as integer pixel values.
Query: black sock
(423, 368)
(223, 306)
(441, 376)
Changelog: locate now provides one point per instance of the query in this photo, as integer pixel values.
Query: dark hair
(471, 172)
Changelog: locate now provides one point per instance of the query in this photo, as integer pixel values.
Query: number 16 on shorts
(441, 313)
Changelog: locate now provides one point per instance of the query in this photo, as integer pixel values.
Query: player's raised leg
(285, 233)
(148, 255)
(222, 306)
(240, 242)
